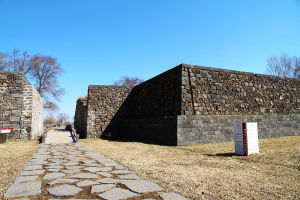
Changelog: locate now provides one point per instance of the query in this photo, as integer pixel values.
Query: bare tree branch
(128, 81)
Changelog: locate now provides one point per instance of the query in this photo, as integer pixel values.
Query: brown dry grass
(212, 171)
(13, 157)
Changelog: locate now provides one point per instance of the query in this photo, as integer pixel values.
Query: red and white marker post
(246, 138)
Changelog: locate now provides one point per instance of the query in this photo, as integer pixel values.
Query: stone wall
(80, 118)
(210, 91)
(193, 129)
(17, 106)
(103, 103)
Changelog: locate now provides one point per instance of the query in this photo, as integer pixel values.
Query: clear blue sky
(97, 42)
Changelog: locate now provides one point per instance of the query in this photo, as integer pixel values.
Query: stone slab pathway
(58, 136)
(73, 171)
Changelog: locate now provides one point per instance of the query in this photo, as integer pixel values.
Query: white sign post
(246, 138)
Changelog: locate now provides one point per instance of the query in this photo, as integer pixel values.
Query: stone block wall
(103, 103)
(80, 118)
(17, 107)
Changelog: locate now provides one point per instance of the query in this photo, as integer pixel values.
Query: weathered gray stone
(32, 167)
(71, 171)
(74, 167)
(64, 190)
(172, 196)
(21, 179)
(102, 188)
(105, 174)
(52, 170)
(63, 180)
(35, 172)
(119, 167)
(129, 176)
(142, 186)
(117, 194)
(54, 166)
(53, 176)
(84, 175)
(96, 169)
(31, 188)
(109, 180)
(86, 183)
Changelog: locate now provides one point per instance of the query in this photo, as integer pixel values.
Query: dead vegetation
(13, 157)
(212, 171)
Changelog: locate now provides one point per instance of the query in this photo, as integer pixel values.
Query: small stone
(121, 172)
(84, 175)
(32, 167)
(64, 190)
(71, 171)
(117, 194)
(21, 179)
(29, 173)
(109, 180)
(52, 170)
(129, 176)
(31, 188)
(172, 196)
(62, 180)
(53, 176)
(102, 188)
(74, 167)
(93, 169)
(142, 186)
(105, 174)
(86, 183)
(54, 167)
(119, 167)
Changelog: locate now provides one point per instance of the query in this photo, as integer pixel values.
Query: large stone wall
(191, 104)
(80, 118)
(103, 103)
(21, 106)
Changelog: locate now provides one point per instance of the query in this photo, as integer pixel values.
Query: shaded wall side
(149, 112)
(80, 118)
(209, 91)
(193, 129)
(26, 117)
(37, 114)
(103, 103)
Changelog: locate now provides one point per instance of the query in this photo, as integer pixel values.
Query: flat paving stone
(172, 196)
(29, 173)
(53, 176)
(117, 194)
(129, 176)
(63, 180)
(53, 170)
(31, 188)
(84, 175)
(86, 183)
(54, 167)
(22, 199)
(102, 188)
(64, 190)
(119, 167)
(71, 171)
(93, 169)
(105, 174)
(21, 179)
(142, 186)
(109, 180)
(74, 167)
(32, 167)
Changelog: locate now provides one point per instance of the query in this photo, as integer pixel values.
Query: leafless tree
(128, 81)
(49, 120)
(285, 66)
(15, 61)
(62, 118)
(42, 70)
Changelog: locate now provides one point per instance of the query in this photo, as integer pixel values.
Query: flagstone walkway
(73, 171)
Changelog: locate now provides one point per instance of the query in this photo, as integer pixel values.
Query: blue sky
(97, 42)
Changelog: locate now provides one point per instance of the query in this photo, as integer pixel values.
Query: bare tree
(285, 66)
(42, 70)
(62, 118)
(128, 81)
(49, 120)
(15, 61)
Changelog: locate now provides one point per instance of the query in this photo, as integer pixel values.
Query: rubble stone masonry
(21, 107)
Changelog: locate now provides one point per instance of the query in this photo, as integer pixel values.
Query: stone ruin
(191, 104)
(21, 106)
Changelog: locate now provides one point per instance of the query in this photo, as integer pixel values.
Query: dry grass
(212, 171)
(13, 157)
